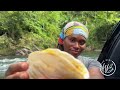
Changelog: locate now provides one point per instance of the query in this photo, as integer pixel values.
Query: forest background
(37, 30)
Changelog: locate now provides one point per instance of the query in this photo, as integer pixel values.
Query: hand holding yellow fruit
(55, 64)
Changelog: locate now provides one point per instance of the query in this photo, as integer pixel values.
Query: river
(8, 60)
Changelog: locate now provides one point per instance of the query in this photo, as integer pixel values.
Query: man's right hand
(17, 71)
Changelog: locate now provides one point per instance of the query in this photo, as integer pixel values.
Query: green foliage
(7, 45)
(40, 29)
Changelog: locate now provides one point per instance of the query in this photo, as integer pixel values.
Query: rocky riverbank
(26, 51)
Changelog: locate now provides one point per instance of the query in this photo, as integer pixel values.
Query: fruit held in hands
(55, 64)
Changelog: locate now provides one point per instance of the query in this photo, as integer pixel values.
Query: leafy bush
(40, 29)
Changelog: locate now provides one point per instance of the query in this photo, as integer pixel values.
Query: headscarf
(73, 27)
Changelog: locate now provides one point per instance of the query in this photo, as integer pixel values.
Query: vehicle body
(110, 55)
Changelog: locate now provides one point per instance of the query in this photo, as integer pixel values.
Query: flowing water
(8, 60)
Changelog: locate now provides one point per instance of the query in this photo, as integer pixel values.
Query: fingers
(18, 75)
(19, 67)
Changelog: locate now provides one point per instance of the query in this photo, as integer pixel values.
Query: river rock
(23, 52)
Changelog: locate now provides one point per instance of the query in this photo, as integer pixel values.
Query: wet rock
(23, 52)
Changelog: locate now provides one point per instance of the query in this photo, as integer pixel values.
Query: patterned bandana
(73, 28)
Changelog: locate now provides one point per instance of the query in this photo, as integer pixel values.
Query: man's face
(74, 44)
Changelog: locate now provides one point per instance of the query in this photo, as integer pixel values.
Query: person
(72, 40)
